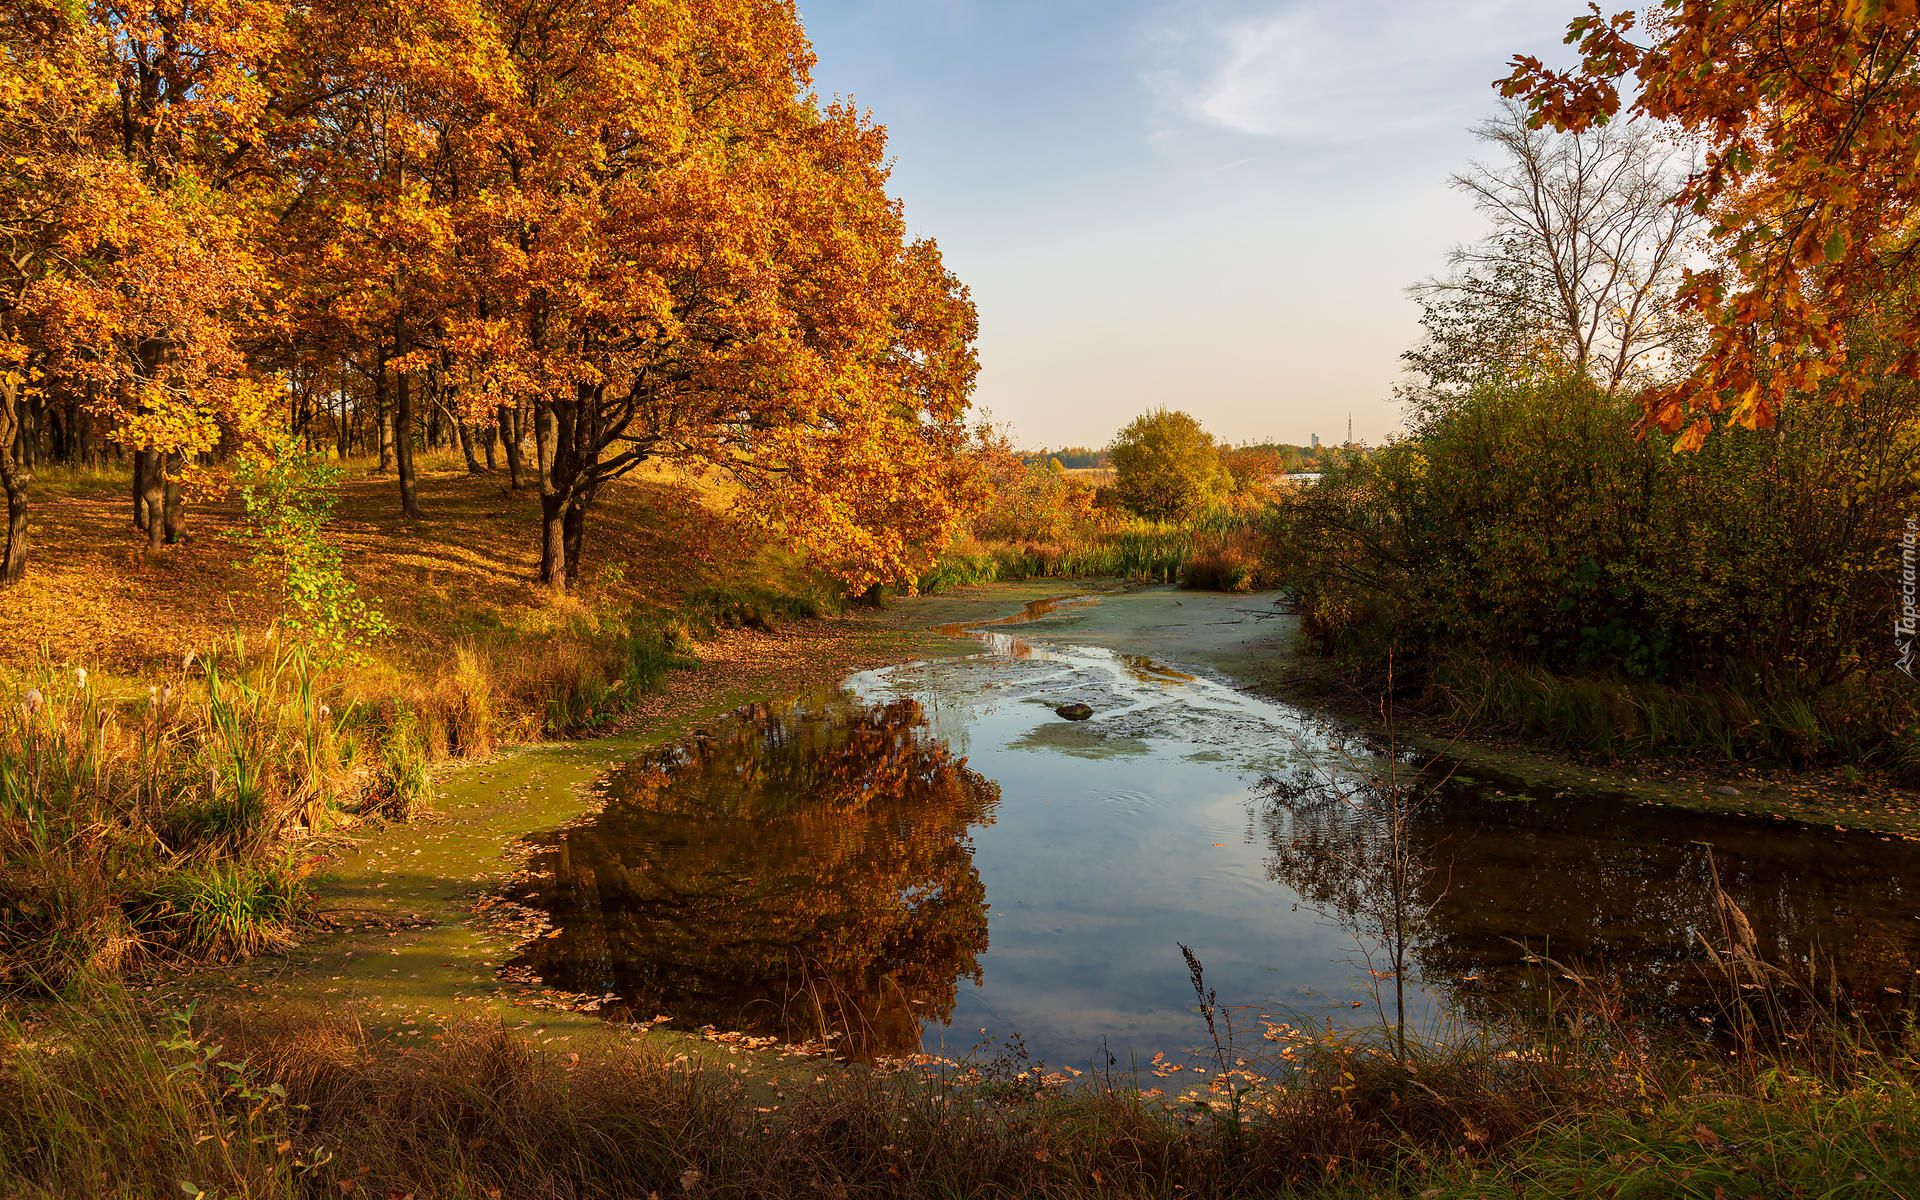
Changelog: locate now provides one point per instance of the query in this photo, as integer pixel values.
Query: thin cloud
(1343, 70)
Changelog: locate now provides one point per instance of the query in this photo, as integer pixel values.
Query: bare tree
(1585, 252)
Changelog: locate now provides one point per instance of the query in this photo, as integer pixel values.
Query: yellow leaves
(1695, 437)
(1809, 127)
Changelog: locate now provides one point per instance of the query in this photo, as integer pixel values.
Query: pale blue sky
(1209, 204)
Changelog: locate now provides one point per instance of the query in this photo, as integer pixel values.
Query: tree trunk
(13, 479)
(60, 421)
(510, 439)
(553, 541)
(403, 427)
(153, 491)
(488, 437)
(89, 450)
(466, 447)
(585, 455)
(572, 525)
(343, 429)
(383, 420)
(176, 511)
(403, 445)
(143, 468)
(553, 438)
(28, 417)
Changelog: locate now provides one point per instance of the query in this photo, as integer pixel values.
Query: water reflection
(1033, 611)
(1617, 891)
(803, 869)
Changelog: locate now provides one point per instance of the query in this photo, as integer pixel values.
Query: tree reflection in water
(802, 869)
(1615, 890)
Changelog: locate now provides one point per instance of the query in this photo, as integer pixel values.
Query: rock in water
(1074, 712)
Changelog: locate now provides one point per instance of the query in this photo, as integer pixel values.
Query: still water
(930, 857)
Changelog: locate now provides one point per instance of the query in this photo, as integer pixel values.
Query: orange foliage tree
(675, 251)
(129, 275)
(638, 224)
(1809, 115)
(640, 227)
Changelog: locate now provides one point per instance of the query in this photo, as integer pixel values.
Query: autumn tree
(48, 92)
(191, 104)
(635, 225)
(1807, 112)
(128, 264)
(688, 257)
(1028, 500)
(377, 168)
(1166, 466)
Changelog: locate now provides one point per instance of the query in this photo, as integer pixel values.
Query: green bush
(1167, 468)
(289, 497)
(1536, 524)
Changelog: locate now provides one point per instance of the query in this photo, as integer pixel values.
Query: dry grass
(149, 805)
(103, 1103)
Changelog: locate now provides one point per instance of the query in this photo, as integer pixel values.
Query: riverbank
(1834, 798)
(1248, 641)
(407, 927)
(408, 931)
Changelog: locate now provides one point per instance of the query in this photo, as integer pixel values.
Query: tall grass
(98, 1102)
(140, 825)
(1215, 554)
(134, 825)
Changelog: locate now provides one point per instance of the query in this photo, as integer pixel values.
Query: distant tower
(1316, 441)
(1349, 429)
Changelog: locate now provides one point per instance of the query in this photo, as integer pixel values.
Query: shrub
(1167, 468)
(1532, 524)
(757, 606)
(289, 497)
(402, 786)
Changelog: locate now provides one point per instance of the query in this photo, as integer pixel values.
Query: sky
(1209, 205)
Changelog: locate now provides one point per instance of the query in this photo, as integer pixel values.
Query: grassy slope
(93, 596)
(1835, 796)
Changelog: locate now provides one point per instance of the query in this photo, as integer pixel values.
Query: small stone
(1729, 791)
(1075, 712)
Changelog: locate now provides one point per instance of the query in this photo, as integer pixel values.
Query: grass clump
(759, 606)
(229, 909)
(589, 681)
(132, 826)
(402, 786)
